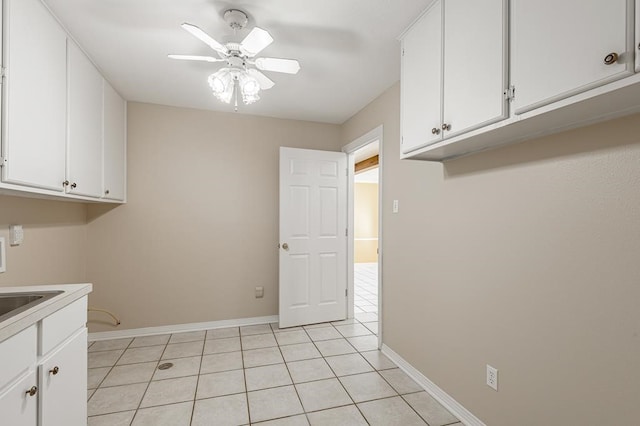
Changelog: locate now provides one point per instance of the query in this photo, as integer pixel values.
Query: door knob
(611, 58)
(285, 246)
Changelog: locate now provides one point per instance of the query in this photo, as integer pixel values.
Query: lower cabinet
(63, 382)
(19, 403)
(50, 389)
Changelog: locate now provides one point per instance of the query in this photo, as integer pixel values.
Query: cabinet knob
(446, 126)
(106, 192)
(65, 183)
(54, 370)
(435, 131)
(285, 246)
(74, 185)
(611, 58)
(32, 391)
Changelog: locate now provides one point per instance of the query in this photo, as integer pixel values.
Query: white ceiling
(348, 50)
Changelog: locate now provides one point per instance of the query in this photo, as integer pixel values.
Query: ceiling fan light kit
(238, 77)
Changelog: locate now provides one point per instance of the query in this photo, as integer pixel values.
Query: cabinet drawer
(61, 324)
(17, 354)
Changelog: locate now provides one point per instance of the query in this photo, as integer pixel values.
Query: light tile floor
(365, 294)
(326, 374)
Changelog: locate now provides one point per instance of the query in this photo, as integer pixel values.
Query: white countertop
(22, 320)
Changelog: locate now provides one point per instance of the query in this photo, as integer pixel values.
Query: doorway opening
(365, 221)
(365, 236)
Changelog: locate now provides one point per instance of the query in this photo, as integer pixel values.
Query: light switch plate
(16, 235)
(3, 256)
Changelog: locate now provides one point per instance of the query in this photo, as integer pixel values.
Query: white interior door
(313, 241)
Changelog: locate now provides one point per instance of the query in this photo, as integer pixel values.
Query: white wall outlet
(16, 235)
(3, 256)
(395, 206)
(259, 292)
(492, 377)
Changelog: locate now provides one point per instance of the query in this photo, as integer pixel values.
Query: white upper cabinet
(34, 107)
(84, 141)
(421, 81)
(454, 71)
(564, 47)
(475, 64)
(114, 144)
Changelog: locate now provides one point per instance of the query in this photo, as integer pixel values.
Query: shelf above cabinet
(613, 100)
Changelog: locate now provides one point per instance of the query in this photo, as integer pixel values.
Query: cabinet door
(17, 406)
(84, 142)
(475, 61)
(114, 144)
(35, 96)
(559, 48)
(421, 83)
(63, 395)
(637, 44)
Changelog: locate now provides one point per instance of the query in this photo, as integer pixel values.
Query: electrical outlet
(259, 292)
(492, 377)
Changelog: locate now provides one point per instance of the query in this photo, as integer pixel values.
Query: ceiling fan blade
(196, 58)
(264, 81)
(205, 38)
(257, 40)
(289, 66)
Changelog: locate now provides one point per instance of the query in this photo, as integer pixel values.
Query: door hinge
(346, 232)
(402, 52)
(3, 72)
(510, 93)
(346, 291)
(2, 161)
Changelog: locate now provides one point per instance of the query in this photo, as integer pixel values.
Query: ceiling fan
(239, 75)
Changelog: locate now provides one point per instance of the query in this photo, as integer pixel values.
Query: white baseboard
(179, 328)
(432, 389)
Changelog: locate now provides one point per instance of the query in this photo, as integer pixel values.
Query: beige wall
(200, 229)
(54, 248)
(365, 212)
(526, 258)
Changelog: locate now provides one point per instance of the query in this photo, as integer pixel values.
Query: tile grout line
(338, 379)
(149, 383)
(195, 392)
(304, 411)
(110, 369)
(244, 374)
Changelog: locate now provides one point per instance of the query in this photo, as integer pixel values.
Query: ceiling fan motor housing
(236, 19)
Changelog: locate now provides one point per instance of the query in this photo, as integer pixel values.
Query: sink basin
(14, 303)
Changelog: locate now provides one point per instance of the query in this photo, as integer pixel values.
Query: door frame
(371, 136)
